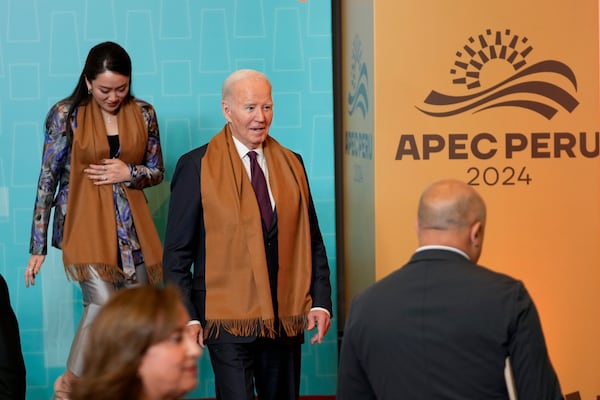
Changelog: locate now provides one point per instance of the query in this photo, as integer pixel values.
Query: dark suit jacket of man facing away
(185, 245)
(12, 366)
(441, 327)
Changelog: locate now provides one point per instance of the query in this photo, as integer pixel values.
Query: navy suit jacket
(441, 327)
(12, 366)
(185, 246)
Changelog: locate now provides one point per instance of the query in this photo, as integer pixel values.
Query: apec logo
(358, 98)
(358, 144)
(492, 71)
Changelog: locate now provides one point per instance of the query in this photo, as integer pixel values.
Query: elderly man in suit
(241, 212)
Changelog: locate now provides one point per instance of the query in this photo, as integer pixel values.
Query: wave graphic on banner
(540, 88)
(513, 92)
(358, 98)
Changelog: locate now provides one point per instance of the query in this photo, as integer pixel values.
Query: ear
(226, 110)
(476, 234)
(88, 84)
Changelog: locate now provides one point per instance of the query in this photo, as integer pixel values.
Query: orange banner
(502, 95)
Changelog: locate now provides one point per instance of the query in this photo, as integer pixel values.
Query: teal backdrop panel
(182, 50)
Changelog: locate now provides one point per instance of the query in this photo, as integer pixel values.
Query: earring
(89, 90)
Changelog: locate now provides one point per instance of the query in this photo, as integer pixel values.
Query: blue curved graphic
(359, 99)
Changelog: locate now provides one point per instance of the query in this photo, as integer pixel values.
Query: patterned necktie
(259, 183)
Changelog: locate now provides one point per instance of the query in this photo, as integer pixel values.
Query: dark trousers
(269, 366)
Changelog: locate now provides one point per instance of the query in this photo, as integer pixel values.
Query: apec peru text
(484, 146)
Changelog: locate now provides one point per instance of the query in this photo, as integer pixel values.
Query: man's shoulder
(194, 154)
(271, 141)
(190, 161)
(441, 258)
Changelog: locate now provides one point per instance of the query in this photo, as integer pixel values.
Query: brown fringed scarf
(238, 297)
(90, 233)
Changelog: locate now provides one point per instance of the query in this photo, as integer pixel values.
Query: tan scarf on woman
(238, 297)
(90, 234)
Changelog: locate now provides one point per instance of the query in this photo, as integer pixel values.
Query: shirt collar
(243, 150)
(440, 247)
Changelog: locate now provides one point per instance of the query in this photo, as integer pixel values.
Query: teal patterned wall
(181, 51)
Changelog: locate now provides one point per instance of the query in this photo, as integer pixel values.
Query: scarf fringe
(155, 275)
(248, 327)
(293, 326)
(110, 273)
(81, 272)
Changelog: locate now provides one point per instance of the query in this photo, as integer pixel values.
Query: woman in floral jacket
(101, 149)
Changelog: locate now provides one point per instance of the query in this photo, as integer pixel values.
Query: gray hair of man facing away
(452, 213)
(235, 77)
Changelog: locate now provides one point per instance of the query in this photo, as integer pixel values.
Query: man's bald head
(452, 213)
(240, 75)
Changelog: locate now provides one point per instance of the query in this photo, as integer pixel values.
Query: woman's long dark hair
(106, 56)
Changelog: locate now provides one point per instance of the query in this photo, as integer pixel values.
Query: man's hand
(195, 330)
(320, 319)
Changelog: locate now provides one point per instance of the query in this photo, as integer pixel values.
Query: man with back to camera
(441, 327)
(12, 365)
(261, 275)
